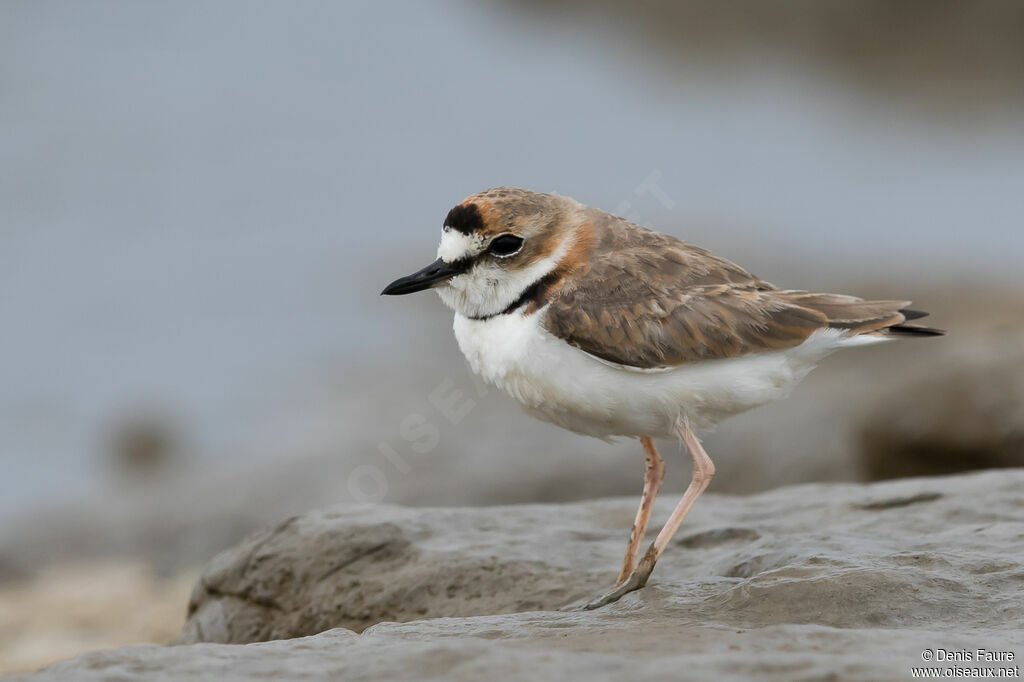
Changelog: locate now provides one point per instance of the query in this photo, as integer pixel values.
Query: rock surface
(808, 582)
(617, 644)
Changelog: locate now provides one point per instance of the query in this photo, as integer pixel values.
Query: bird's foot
(635, 581)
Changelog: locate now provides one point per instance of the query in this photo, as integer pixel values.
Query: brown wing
(649, 300)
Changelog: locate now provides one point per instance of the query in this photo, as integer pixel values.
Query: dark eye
(505, 245)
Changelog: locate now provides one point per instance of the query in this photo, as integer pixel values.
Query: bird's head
(496, 245)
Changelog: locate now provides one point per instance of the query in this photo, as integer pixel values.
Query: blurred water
(199, 202)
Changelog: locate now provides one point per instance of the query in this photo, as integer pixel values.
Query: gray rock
(353, 568)
(905, 554)
(846, 582)
(615, 644)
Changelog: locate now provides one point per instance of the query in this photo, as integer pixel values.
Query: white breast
(563, 385)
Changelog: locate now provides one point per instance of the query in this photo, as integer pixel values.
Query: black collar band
(530, 294)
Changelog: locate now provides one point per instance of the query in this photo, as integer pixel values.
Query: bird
(609, 329)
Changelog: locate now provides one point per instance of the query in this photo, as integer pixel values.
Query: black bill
(436, 273)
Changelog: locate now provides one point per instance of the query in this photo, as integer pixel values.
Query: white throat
(488, 288)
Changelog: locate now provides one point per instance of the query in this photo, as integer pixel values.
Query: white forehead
(456, 245)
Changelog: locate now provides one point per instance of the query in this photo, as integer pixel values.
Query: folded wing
(648, 300)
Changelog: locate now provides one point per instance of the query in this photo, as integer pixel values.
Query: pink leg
(703, 470)
(654, 474)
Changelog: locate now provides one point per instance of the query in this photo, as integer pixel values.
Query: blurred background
(200, 202)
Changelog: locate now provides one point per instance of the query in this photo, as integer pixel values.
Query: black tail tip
(914, 330)
(910, 314)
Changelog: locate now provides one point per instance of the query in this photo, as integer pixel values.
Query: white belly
(558, 383)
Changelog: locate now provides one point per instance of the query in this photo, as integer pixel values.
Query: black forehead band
(464, 218)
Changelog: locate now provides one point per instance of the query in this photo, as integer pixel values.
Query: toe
(634, 582)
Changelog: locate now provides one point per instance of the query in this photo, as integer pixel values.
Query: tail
(857, 316)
